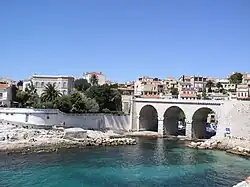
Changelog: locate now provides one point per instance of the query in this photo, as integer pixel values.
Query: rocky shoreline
(237, 146)
(22, 140)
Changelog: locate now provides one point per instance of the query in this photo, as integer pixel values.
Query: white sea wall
(236, 116)
(55, 117)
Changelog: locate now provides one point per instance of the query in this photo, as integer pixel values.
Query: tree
(174, 91)
(236, 78)
(209, 84)
(30, 89)
(63, 103)
(32, 95)
(219, 85)
(22, 97)
(94, 80)
(81, 84)
(50, 93)
(116, 98)
(204, 94)
(20, 83)
(106, 97)
(81, 103)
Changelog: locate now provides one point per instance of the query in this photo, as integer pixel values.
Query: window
(47, 117)
(36, 84)
(42, 84)
(64, 84)
(1, 94)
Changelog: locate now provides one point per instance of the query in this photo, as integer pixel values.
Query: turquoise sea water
(150, 163)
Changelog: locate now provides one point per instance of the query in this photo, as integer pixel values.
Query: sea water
(150, 163)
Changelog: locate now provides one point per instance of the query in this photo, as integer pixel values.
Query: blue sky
(124, 38)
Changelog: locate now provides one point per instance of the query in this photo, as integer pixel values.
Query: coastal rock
(75, 133)
(237, 146)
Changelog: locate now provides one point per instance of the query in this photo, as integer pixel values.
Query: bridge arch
(174, 116)
(199, 123)
(148, 118)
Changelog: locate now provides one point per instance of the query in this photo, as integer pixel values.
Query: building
(226, 85)
(99, 75)
(188, 93)
(196, 82)
(169, 83)
(242, 92)
(148, 87)
(64, 84)
(246, 78)
(218, 96)
(5, 94)
(7, 81)
(127, 92)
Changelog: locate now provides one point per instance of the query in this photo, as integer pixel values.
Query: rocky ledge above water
(13, 139)
(236, 146)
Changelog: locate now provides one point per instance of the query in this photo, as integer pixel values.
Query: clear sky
(124, 38)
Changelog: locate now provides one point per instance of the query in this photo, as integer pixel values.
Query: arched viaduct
(163, 116)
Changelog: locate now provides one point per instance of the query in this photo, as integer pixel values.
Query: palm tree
(31, 89)
(50, 93)
(32, 95)
(94, 80)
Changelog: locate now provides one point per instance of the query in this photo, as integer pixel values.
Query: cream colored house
(226, 85)
(64, 84)
(246, 78)
(148, 87)
(5, 94)
(243, 92)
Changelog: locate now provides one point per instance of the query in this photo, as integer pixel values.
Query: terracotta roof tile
(4, 85)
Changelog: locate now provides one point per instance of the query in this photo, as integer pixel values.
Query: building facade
(5, 94)
(242, 92)
(64, 84)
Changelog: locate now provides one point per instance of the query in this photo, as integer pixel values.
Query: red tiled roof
(188, 95)
(4, 85)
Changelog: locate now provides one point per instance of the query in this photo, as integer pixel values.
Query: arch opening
(174, 121)
(204, 123)
(148, 120)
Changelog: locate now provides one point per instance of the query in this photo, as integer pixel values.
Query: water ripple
(150, 163)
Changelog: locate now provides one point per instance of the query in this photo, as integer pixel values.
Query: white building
(5, 94)
(99, 75)
(64, 84)
(246, 78)
(243, 92)
(7, 81)
(226, 85)
(148, 87)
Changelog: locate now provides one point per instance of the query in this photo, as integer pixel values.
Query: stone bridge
(162, 115)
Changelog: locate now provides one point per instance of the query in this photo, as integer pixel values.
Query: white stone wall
(55, 117)
(236, 116)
